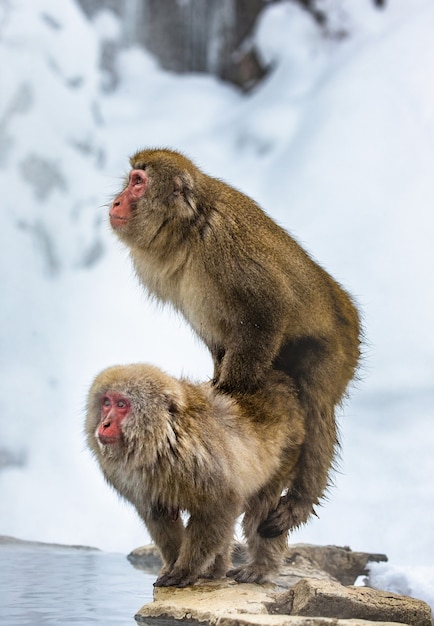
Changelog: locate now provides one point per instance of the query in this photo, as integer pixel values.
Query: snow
(409, 581)
(336, 144)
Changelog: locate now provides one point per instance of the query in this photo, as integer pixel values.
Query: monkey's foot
(244, 383)
(290, 513)
(175, 578)
(219, 567)
(249, 574)
(209, 576)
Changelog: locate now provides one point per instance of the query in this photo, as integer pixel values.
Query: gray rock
(302, 561)
(146, 558)
(325, 598)
(341, 564)
(7, 540)
(209, 601)
(227, 603)
(294, 620)
(308, 592)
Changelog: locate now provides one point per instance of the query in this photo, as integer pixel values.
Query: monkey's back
(245, 268)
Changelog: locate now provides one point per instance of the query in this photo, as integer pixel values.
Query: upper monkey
(253, 295)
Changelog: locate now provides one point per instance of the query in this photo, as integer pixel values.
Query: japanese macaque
(168, 446)
(252, 294)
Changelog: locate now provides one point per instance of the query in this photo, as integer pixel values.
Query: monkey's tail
(317, 456)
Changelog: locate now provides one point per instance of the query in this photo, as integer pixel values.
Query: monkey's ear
(172, 407)
(174, 403)
(183, 187)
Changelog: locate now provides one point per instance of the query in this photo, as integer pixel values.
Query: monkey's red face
(158, 200)
(120, 210)
(115, 407)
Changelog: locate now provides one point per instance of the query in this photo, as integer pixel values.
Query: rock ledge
(308, 592)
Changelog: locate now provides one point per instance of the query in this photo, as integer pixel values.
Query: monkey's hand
(176, 578)
(291, 512)
(249, 574)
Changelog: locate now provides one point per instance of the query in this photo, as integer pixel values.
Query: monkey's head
(160, 190)
(129, 407)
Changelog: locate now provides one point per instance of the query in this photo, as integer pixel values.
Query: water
(42, 584)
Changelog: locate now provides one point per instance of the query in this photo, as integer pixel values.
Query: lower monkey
(167, 445)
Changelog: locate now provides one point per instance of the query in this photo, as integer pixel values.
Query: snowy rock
(314, 594)
(322, 598)
(341, 564)
(209, 601)
(227, 603)
(293, 620)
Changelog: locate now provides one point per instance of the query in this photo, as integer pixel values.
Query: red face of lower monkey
(115, 408)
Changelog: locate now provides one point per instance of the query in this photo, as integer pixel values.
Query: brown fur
(253, 295)
(186, 447)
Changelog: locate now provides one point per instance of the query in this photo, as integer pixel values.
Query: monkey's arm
(167, 532)
(248, 355)
(244, 366)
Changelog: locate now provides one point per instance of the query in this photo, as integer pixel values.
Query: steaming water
(56, 585)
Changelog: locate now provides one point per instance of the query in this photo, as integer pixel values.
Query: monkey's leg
(207, 539)
(320, 390)
(265, 555)
(167, 531)
(297, 505)
(222, 563)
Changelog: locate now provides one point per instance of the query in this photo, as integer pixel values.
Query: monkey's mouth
(106, 440)
(117, 222)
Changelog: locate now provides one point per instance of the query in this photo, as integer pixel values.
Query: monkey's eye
(105, 401)
(121, 404)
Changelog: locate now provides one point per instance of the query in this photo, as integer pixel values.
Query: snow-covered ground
(337, 144)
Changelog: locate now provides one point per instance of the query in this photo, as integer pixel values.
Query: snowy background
(337, 144)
